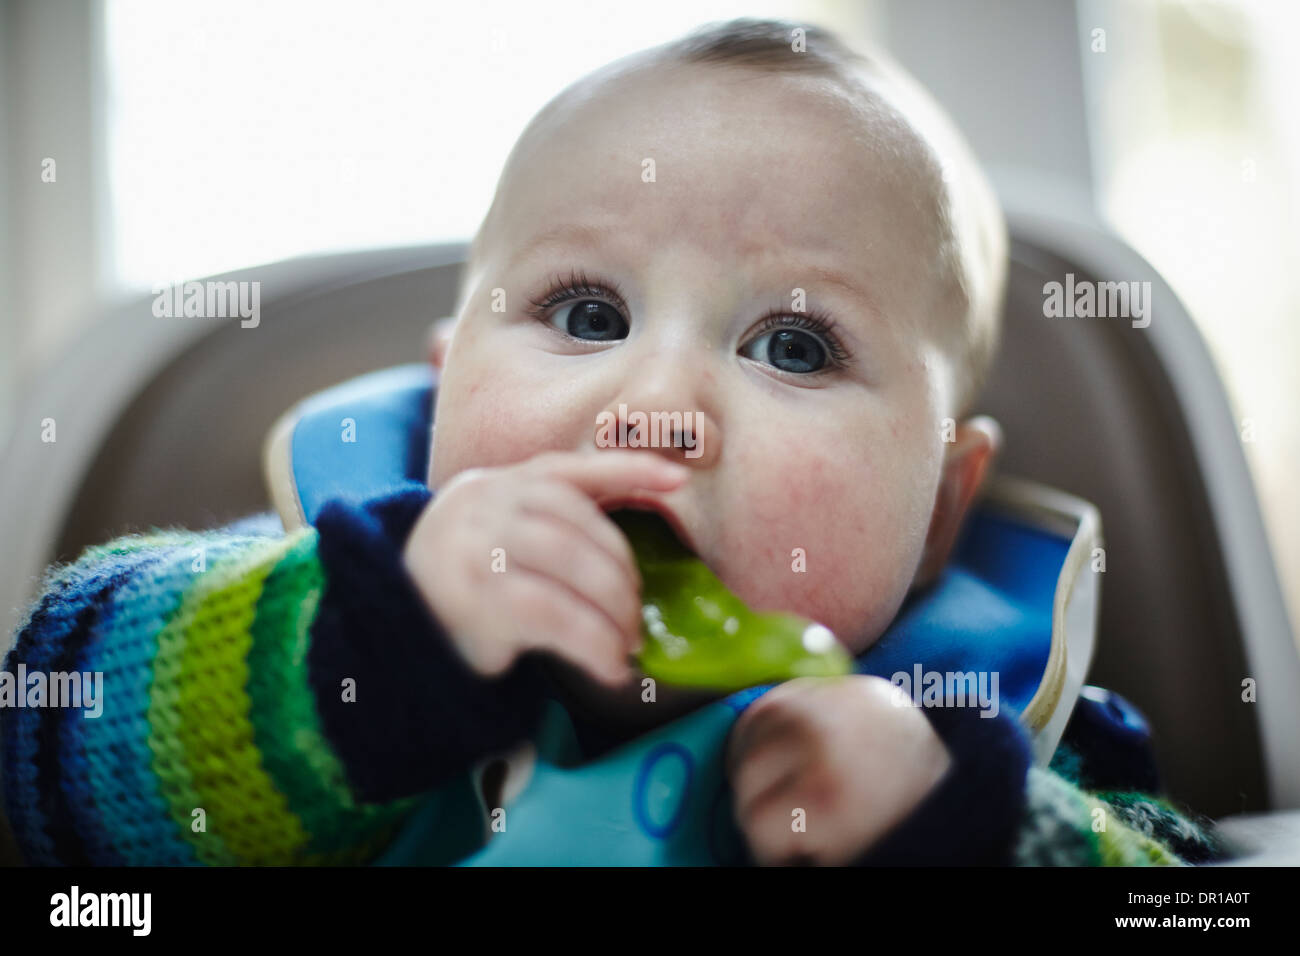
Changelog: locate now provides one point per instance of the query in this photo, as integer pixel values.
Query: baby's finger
(768, 716)
(771, 839)
(778, 844)
(607, 474)
(550, 547)
(563, 502)
(772, 769)
(552, 618)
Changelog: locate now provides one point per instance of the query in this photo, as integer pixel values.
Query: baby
(787, 245)
(781, 243)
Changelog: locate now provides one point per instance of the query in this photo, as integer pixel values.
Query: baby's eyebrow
(814, 278)
(568, 234)
(845, 283)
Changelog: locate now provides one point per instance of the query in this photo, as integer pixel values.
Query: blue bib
(1012, 606)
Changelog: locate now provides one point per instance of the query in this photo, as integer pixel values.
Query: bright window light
(246, 132)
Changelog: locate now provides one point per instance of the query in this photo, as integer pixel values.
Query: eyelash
(815, 321)
(578, 286)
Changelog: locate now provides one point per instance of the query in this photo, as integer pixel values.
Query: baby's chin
(622, 709)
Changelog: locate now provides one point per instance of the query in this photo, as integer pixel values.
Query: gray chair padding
(1086, 408)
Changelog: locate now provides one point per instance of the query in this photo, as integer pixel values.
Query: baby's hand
(842, 751)
(522, 557)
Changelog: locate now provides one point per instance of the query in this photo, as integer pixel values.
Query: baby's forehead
(844, 116)
(739, 160)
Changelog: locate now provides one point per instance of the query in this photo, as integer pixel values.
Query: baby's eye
(590, 319)
(790, 350)
(801, 344)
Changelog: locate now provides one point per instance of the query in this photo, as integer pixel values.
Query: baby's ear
(439, 341)
(966, 464)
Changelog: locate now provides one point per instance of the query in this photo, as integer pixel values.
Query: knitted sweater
(274, 698)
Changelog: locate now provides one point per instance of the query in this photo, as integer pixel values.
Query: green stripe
(242, 801)
(286, 727)
(200, 735)
(169, 764)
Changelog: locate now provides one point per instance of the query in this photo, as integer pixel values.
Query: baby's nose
(685, 435)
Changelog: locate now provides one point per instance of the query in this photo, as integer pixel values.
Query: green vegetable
(699, 634)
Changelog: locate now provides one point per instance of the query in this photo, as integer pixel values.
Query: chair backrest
(161, 421)
(1135, 420)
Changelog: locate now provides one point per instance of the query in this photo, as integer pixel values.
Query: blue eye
(591, 320)
(799, 344)
(792, 350)
(593, 309)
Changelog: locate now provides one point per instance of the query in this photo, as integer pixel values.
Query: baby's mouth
(699, 634)
(663, 535)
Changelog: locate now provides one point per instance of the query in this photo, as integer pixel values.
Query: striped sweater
(273, 698)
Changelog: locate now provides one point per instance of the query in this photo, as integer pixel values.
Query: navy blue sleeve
(1107, 745)
(420, 716)
(972, 816)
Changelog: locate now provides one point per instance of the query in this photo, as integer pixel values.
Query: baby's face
(819, 443)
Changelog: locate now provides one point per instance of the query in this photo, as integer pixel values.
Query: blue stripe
(31, 771)
(119, 795)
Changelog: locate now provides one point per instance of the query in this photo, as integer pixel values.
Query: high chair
(162, 422)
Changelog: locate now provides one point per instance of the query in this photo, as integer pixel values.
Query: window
(247, 132)
(1197, 150)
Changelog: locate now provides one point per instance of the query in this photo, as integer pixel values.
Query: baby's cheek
(484, 423)
(828, 539)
